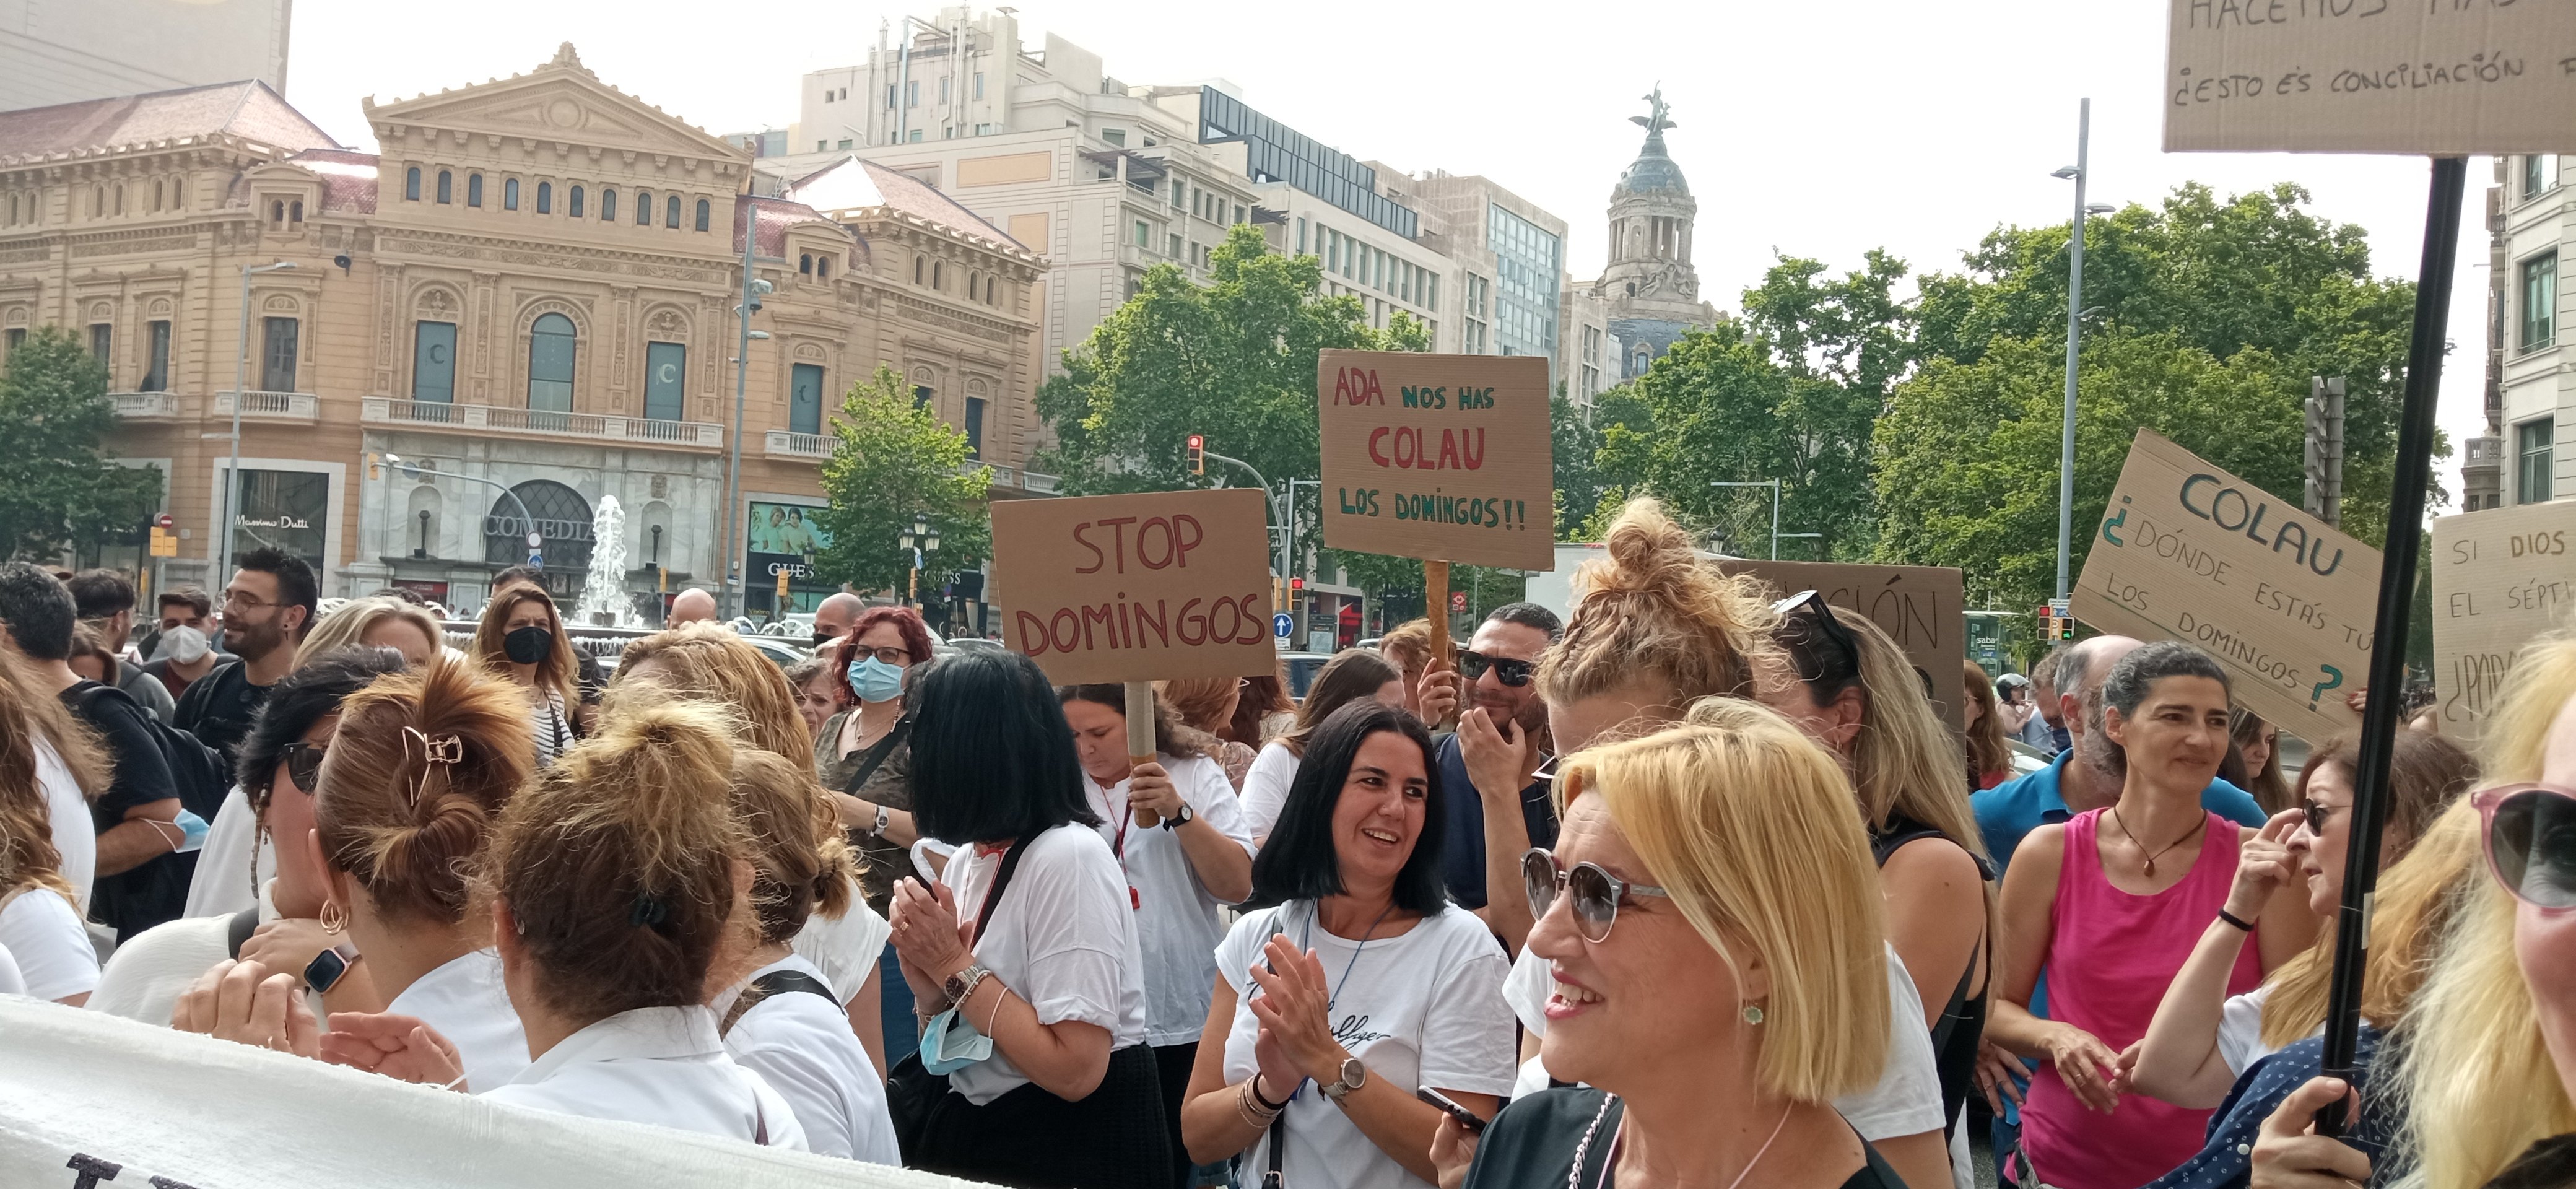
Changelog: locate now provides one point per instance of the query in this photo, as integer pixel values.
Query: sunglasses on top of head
(1835, 633)
(1514, 673)
(2529, 832)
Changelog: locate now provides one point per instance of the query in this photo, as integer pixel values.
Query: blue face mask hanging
(874, 680)
(949, 1044)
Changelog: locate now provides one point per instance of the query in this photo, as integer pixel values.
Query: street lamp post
(535, 539)
(2080, 172)
(922, 537)
(752, 288)
(1774, 485)
(241, 380)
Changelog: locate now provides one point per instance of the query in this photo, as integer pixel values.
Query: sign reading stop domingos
(1440, 457)
(1137, 587)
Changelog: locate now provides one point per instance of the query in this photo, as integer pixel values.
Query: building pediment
(560, 102)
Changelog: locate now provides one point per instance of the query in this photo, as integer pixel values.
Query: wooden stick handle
(1140, 739)
(1435, 599)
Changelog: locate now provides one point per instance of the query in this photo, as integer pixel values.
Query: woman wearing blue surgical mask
(864, 757)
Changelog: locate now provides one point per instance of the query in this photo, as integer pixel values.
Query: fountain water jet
(604, 600)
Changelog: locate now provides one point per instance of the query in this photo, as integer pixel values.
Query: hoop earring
(335, 920)
(1752, 1011)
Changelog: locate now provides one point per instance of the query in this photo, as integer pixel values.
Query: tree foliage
(60, 489)
(895, 458)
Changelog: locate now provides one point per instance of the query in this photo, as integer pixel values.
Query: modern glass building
(1530, 261)
(1279, 153)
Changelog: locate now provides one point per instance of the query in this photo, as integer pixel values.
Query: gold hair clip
(446, 750)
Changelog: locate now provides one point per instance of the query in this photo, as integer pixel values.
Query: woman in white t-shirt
(1357, 673)
(1195, 857)
(422, 764)
(785, 1021)
(1360, 979)
(1038, 1016)
(40, 921)
(621, 884)
(67, 762)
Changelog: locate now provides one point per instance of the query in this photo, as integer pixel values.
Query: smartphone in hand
(1474, 1123)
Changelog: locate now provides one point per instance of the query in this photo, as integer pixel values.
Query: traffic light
(1296, 585)
(2066, 628)
(1198, 454)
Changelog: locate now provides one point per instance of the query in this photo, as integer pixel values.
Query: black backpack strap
(788, 982)
(876, 755)
(238, 930)
(1001, 880)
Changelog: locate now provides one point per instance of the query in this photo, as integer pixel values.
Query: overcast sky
(1815, 130)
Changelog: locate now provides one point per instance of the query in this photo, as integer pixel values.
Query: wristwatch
(962, 984)
(1180, 819)
(1354, 1075)
(324, 971)
(883, 819)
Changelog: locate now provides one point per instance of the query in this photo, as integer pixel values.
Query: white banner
(83, 1090)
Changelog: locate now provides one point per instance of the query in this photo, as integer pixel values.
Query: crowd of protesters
(1700, 884)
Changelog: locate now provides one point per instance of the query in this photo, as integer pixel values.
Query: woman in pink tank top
(2110, 904)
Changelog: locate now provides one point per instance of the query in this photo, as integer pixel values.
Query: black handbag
(911, 1090)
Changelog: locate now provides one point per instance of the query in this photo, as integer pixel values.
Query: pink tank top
(2108, 966)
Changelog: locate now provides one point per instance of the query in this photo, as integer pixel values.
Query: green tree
(896, 459)
(61, 490)
(1968, 452)
(2252, 272)
(1582, 483)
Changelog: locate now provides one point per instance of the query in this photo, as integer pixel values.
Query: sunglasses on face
(1597, 893)
(2530, 838)
(303, 763)
(1514, 673)
(2315, 816)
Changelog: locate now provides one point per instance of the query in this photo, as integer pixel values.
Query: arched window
(510, 194)
(608, 204)
(276, 214)
(446, 187)
(643, 208)
(550, 363)
(563, 521)
(120, 198)
(295, 211)
(545, 198)
(934, 274)
(805, 263)
(916, 270)
(156, 197)
(473, 189)
(572, 203)
(97, 201)
(823, 268)
(702, 214)
(671, 213)
(411, 184)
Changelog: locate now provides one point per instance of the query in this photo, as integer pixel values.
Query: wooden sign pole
(1140, 740)
(1435, 602)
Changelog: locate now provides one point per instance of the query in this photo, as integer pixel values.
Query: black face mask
(530, 645)
(823, 638)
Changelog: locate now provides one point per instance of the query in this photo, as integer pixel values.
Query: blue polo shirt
(2009, 811)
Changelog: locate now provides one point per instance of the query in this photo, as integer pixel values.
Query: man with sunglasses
(1500, 744)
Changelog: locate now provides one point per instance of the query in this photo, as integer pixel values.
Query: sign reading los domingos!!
(2187, 551)
(1137, 587)
(1440, 457)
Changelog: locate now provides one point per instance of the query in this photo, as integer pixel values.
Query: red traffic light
(1296, 584)
(1198, 454)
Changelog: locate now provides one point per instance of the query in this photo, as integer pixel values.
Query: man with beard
(1501, 742)
(267, 606)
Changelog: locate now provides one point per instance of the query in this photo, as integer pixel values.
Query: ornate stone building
(1650, 289)
(531, 287)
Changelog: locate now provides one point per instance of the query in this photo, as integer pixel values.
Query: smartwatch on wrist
(327, 967)
(883, 817)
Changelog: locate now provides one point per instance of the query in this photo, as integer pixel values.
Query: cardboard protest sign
(1923, 608)
(2188, 552)
(1440, 457)
(2370, 76)
(2500, 578)
(1137, 587)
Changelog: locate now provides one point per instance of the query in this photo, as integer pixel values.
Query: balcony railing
(783, 443)
(269, 406)
(1011, 477)
(592, 427)
(133, 405)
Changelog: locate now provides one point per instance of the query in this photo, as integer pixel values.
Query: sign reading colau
(2441, 78)
(1440, 457)
(2500, 578)
(1137, 587)
(2188, 552)
(1922, 608)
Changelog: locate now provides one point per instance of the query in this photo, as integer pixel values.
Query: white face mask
(183, 644)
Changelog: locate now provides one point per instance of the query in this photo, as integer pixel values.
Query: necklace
(1610, 1159)
(2196, 828)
